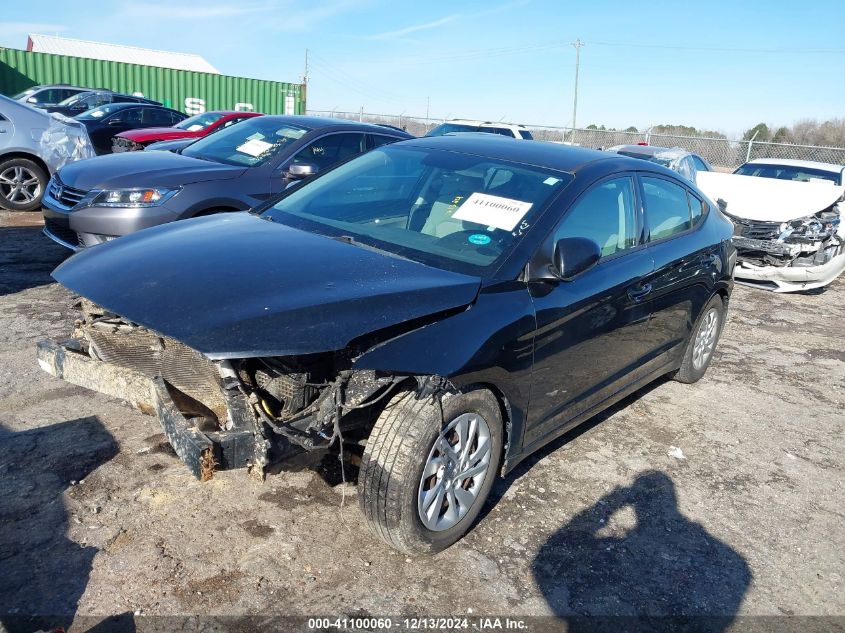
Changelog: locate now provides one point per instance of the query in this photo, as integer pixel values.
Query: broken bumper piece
(790, 278)
(203, 452)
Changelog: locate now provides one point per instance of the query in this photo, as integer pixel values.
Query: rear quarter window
(667, 208)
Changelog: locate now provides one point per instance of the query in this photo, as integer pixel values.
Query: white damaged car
(786, 216)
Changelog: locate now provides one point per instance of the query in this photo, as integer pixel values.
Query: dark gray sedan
(94, 201)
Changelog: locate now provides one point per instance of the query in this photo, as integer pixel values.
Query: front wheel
(424, 477)
(702, 342)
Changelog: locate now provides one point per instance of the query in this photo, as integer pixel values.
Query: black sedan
(93, 201)
(105, 121)
(84, 101)
(451, 304)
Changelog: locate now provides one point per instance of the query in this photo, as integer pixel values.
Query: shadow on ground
(27, 258)
(44, 573)
(633, 562)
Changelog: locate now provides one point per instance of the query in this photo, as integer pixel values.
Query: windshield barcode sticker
(493, 211)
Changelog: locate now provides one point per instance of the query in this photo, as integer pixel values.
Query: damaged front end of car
(788, 233)
(226, 414)
(799, 254)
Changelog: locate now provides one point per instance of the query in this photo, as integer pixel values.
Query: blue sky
(715, 65)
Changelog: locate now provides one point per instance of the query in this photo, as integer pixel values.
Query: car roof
(72, 87)
(485, 123)
(122, 105)
(231, 112)
(317, 122)
(646, 150)
(787, 162)
(539, 153)
(106, 91)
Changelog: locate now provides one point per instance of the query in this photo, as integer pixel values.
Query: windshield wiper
(348, 239)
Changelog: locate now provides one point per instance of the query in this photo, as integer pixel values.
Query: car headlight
(133, 197)
(814, 227)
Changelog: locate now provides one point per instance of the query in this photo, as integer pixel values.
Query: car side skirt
(663, 364)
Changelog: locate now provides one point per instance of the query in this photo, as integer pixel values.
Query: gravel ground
(720, 498)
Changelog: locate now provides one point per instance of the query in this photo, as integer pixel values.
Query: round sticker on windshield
(479, 239)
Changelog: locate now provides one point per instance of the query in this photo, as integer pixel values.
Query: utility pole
(577, 44)
(305, 80)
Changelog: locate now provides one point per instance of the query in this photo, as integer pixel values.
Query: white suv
(465, 125)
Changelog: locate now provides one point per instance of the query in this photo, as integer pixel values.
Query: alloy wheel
(454, 472)
(705, 339)
(19, 185)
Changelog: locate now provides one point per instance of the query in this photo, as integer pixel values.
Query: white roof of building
(117, 53)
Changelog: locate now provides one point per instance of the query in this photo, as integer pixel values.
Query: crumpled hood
(142, 169)
(147, 134)
(237, 286)
(768, 199)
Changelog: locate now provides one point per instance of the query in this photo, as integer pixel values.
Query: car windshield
(456, 211)
(101, 111)
(448, 128)
(82, 97)
(199, 121)
(25, 93)
(248, 143)
(787, 172)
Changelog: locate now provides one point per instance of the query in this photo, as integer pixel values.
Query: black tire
(11, 194)
(688, 372)
(393, 462)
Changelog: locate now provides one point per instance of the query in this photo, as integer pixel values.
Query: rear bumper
(790, 278)
(202, 452)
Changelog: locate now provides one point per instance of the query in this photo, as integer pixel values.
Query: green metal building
(188, 91)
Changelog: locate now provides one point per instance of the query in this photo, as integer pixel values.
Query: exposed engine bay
(253, 412)
(810, 241)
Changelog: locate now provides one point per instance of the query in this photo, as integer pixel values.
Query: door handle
(637, 293)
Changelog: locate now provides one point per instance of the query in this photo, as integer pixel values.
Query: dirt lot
(721, 498)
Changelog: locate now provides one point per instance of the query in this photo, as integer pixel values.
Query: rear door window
(156, 117)
(667, 208)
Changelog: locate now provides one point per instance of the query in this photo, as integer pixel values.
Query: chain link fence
(723, 153)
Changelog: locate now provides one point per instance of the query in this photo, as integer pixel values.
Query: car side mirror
(575, 255)
(32, 100)
(300, 171)
(114, 122)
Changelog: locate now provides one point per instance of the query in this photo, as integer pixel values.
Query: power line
(727, 49)
(325, 70)
(520, 50)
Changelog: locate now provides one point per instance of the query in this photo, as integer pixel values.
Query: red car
(196, 126)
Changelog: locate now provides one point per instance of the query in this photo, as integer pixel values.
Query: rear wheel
(702, 341)
(22, 184)
(424, 478)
